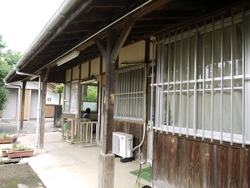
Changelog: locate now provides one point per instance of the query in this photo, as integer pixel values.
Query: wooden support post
(79, 99)
(109, 94)
(106, 159)
(45, 76)
(22, 107)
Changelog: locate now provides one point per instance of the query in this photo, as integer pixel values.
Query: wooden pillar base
(106, 171)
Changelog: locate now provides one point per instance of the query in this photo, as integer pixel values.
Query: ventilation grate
(116, 144)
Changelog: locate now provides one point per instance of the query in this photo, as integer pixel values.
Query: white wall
(10, 111)
(50, 94)
(54, 97)
(29, 85)
(33, 104)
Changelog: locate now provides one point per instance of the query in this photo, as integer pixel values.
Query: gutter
(46, 31)
(66, 6)
(39, 104)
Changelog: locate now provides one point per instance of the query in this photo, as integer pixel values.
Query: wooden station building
(173, 73)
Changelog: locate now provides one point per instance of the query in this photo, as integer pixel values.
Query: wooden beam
(138, 14)
(101, 48)
(22, 107)
(91, 41)
(200, 19)
(146, 29)
(153, 23)
(122, 38)
(165, 15)
(69, 36)
(188, 5)
(89, 68)
(153, 6)
(81, 27)
(45, 76)
(61, 43)
(101, 16)
(101, 64)
(109, 4)
(44, 54)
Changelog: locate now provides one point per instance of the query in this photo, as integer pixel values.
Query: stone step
(6, 160)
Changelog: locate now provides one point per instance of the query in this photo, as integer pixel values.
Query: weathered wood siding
(136, 129)
(185, 162)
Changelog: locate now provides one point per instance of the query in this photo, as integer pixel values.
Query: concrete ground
(29, 127)
(67, 165)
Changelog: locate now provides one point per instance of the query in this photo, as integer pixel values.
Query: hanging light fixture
(67, 58)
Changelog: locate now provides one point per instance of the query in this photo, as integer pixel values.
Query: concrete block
(41, 151)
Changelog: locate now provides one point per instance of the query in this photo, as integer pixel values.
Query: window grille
(200, 81)
(130, 93)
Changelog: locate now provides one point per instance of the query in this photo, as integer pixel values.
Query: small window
(66, 98)
(89, 97)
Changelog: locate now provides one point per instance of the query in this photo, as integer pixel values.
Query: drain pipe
(39, 104)
(18, 103)
(145, 112)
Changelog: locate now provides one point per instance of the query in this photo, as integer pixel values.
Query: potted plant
(4, 151)
(6, 138)
(15, 137)
(19, 151)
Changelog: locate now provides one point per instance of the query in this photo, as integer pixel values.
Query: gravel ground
(19, 176)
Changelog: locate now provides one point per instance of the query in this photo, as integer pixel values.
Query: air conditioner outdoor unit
(123, 144)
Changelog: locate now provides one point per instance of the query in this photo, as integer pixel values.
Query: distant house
(31, 97)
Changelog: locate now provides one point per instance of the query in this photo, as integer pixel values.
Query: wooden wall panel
(136, 129)
(68, 75)
(95, 67)
(49, 110)
(184, 162)
(155, 166)
(76, 71)
(85, 70)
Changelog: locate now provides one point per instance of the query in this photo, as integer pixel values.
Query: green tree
(7, 59)
(12, 57)
(91, 94)
(4, 92)
(2, 45)
(59, 89)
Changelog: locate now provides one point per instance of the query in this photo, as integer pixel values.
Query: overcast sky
(22, 20)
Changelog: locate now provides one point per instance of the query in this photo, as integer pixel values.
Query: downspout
(18, 103)
(145, 113)
(39, 104)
